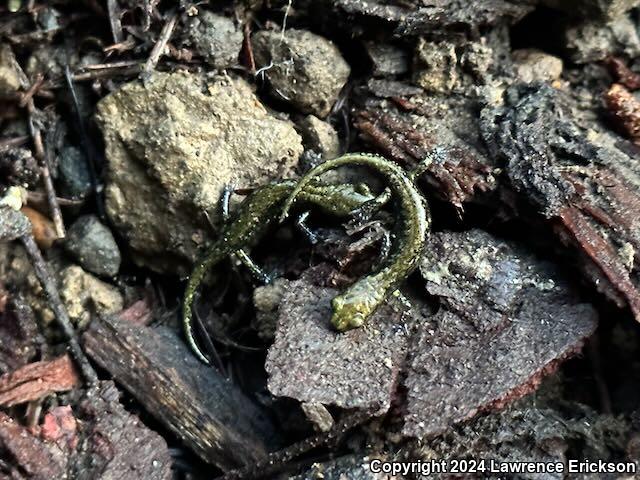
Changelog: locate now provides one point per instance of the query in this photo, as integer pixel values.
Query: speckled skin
(251, 221)
(353, 307)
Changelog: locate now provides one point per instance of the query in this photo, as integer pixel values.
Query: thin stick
(46, 280)
(43, 157)
(86, 145)
(13, 142)
(158, 48)
(114, 20)
(33, 89)
(278, 460)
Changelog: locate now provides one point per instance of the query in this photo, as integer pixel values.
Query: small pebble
(93, 246)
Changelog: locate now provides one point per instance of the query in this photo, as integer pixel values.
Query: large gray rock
(303, 69)
(93, 246)
(172, 144)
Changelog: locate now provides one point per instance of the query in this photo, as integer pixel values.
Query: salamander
(251, 221)
(353, 307)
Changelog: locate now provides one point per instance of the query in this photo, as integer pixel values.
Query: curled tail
(195, 279)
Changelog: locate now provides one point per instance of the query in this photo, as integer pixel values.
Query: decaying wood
(588, 185)
(312, 362)
(37, 380)
(408, 127)
(505, 323)
(114, 443)
(25, 456)
(208, 413)
(19, 333)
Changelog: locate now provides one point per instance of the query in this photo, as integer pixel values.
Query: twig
(86, 145)
(158, 48)
(278, 460)
(33, 89)
(39, 199)
(248, 48)
(46, 280)
(13, 142)
(107, 73)
(108, 66)
(114, 20)
(43, 157)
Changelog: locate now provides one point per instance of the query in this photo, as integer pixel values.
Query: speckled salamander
(252, 219)
(353, 307)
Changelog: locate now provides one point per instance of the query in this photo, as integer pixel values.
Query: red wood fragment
(138, 313)
(622, 73)
(593, 244)
(26, 455)
(625, 111)
(37, 380)
(60, 427)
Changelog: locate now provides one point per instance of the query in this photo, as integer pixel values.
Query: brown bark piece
(25, 456)
(413, 128)
(116, 444)
(506, 322)
(208, 413)
(586, 183)
(37, 380)
(312, 362)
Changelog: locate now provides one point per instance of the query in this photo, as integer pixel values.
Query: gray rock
(303, 69)
(266, 300)
(592, 41)
(93, 246)
(50, 60)
(73, 173)
(604, 9)
(319, 136)
(11, 78)
(533, 65)
(318, 415)
(216, 38)
(172, 144)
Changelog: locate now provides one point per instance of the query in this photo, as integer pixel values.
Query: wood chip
(208, 413)
(37, 380)
(506, 322)
(311, 362)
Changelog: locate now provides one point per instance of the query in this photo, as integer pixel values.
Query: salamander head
(353, 308)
